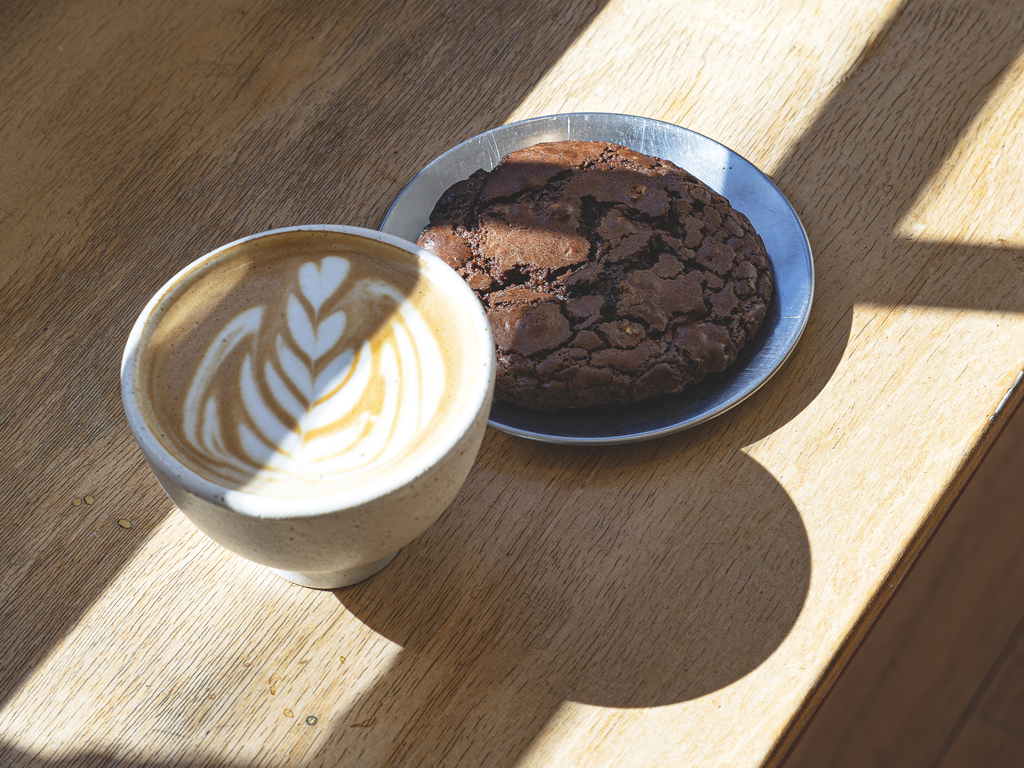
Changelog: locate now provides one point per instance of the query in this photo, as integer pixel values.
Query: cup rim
(262, 506)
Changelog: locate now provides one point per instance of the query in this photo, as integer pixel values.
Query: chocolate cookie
(608, 276)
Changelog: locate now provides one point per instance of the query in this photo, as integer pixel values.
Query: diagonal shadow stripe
(886, 132)
(218, 126)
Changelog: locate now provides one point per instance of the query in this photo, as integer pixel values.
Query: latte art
(312, 398)
(305, 413)
(304, 374)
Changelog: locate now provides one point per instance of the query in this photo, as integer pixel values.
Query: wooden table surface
(683, 601)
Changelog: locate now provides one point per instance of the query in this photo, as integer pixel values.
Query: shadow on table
(250, 117)
(690, 567)
(13, 756)
(885, 135)
(650, 613)
(603, 592)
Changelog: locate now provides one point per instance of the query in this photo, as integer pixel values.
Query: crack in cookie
(608, 276)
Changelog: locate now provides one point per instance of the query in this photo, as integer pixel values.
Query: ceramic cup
(312, 398)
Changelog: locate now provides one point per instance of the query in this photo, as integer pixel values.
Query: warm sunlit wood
(938, 682)
(685, 601)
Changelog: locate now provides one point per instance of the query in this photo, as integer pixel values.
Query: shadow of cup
(662, 591)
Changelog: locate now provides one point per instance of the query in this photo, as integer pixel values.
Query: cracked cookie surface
(608, 276)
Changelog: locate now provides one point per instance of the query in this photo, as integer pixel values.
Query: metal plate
(748, 190)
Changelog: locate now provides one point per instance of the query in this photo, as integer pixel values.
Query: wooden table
(684, 601)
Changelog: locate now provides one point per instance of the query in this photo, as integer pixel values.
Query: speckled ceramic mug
(312, 398)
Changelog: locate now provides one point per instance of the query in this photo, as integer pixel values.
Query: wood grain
(1003, 703)
(688, 599)
(941, 667)
(980, 739)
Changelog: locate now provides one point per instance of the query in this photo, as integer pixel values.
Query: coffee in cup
(305, 381)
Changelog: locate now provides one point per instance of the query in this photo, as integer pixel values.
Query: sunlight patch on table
(703, 54)
(994, 143)
(300, 655)
(912, 423)
(900, 419)
(579, 734)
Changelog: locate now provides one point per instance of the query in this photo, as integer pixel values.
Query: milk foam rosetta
(327, 376)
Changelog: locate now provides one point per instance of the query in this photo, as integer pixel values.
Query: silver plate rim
(748, 189)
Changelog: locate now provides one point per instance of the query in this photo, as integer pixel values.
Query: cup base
(336, 579)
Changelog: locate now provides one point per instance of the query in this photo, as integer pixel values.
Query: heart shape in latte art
(318, 393)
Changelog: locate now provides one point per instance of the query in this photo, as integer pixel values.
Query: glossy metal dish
(748, 190)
